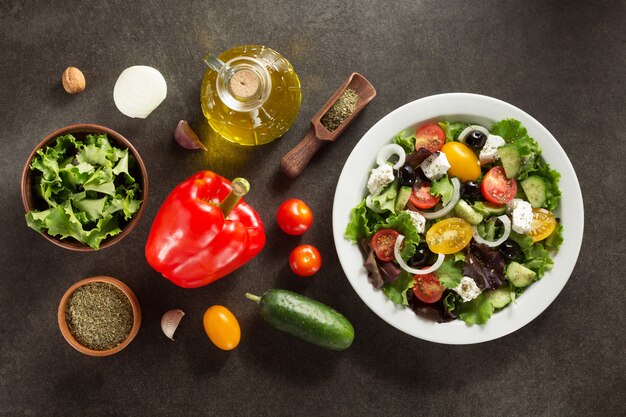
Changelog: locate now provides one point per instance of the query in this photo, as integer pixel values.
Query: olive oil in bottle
(250, 94)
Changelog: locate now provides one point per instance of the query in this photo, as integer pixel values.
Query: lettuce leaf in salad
(386, 200)
(555, 240)
(406, 141)
(402, 224)
(396, 291)
(451, 271)
(477, 311)
(537, 258)
(442, 187)
(551, 179)
(452, 130)
(362, 223)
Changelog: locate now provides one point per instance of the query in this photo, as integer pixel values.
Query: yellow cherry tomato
(449, 235)
(222, 327)
(543, 224)
(463, 161)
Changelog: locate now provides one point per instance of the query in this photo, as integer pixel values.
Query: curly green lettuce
(87, 187)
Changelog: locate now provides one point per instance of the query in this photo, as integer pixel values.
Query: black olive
(476, 139)
(422, 257)
(406, 175)
(470, 191)
(511, 251)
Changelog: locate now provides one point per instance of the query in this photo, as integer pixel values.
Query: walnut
(73, 80)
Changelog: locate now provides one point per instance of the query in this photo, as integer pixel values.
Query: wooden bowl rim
(26, 188)
(65, 328)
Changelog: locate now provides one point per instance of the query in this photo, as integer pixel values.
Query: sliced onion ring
(469, 130)
(388, 151)
(448, 207)
(139, 90)
(492, 244)
(403, 265)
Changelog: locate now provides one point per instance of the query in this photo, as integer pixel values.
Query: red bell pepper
(204, 231)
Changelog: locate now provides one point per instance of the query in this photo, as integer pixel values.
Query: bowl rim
(65, 331)
(26, 187)
(466, 107)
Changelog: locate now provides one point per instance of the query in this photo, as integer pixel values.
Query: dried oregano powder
(99, 315)
(340, 110)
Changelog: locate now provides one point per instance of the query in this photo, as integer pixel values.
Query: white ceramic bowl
(351, 189)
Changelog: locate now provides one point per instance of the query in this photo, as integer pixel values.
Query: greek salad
(458, 219)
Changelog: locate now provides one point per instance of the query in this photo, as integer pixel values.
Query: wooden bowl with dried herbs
(99, 316)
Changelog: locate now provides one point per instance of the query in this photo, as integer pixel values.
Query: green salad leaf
(452, 130)
(88, 189)
(451, 271)
(444, 188)
(386, 200)
(396, 290)
(362, 223)
(406, 141)
(477, 311)
(537, 257)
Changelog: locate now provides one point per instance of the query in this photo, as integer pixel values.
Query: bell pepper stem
(240, 187)
(253, 297)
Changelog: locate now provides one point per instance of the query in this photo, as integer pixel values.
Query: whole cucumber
(305, 318)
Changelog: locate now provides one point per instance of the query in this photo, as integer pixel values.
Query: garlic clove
(186, 137)
(170, 322)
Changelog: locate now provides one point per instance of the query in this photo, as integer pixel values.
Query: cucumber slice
(403, 197)
(535, 189)
(499, 298)
(511, 160)
(466, 212)
(519, 275)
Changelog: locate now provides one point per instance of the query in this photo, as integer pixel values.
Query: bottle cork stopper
(244, 83)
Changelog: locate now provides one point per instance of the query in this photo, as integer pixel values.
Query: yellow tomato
(449, 235)
(463, 161)
(222, 327)
(543, 224)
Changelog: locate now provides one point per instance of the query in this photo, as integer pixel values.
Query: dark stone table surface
(561, 61)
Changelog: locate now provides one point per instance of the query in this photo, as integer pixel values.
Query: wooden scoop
(294, 161)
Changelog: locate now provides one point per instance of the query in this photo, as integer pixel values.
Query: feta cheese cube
(380, 178)
(521, 215)
(435, 166)
(467, 289)
(489, 152)
(418, 220)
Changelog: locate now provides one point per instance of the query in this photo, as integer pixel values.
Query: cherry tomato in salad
(463, 161)
(305, 260)
(429, 136)
(543, 224)
(497, 188)
(427, 288)
(383, 243)
(449, 235)
(222, 327)
(421, 197)
(294, 217)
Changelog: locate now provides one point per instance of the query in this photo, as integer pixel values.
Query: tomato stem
(240, 187)
(253, 297)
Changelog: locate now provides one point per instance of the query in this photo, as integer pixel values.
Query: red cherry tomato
(421, 197)
(383, 242)
(294, 217)
(429, 136)
(497, 188)
(305, 260)
(428, 288)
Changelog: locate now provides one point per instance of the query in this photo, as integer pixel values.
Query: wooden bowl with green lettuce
(84, 187)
